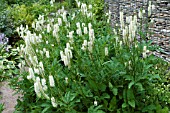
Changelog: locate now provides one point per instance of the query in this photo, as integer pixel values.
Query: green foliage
(25, 15)
(1, 107)
(94, 72)
(8, 62)
(6, 25)
(98, 8)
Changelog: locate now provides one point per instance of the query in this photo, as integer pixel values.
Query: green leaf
(128, 77)
(45, 110)
(130, 94)
(100, 111)
(140, 86)
(93, 85)
(149, 108)
(124, 105)
(131, 84)
(102, 87)
(105, 95)
(112, 104)
(132, 103)
(110, 85)
(115, 91)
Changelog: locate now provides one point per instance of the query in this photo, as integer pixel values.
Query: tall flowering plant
(75, 64)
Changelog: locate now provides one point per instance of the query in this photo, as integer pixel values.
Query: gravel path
(8, 98)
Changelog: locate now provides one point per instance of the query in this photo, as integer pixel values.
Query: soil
(7, 97)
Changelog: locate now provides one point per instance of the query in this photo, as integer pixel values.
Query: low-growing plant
(8, 59)
(1, 107)
(75, 64)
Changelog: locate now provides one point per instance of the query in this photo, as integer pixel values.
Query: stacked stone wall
(160, 29)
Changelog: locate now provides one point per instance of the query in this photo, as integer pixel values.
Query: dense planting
(73, 62)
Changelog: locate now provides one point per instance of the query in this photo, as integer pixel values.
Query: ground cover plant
(8, 59)
(74, 63)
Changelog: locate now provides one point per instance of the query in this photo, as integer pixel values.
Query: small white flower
(79, 32)
(64, 16)
(153, 7)
(121, 20)
(51, 81)
(53, 102)
(51, 3)
(78, 3)
(149, 11)
(89, 25)
(91, 35)
(140, 14)
(59, 21)
(89, 14)
(48, 28)
(73, 16)
(106, 51)
(19, 65)
(84, 45)
(66, 61)
(33, 25)
(47, 54)
(90, 46)
(145, 51)
(85, 30)
(90, 6)
(31, 74)
(41, 66)
(46, 42)
(44, 49)
(128, 19)
(36, 71)
(78, 25)
(56, 28)
(120, 43)
(66, 79)
(144, 48)
(37, 89)
(70, 35)
(43, 81)
(95, 103)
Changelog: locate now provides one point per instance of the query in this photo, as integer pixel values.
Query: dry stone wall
(160, 15)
